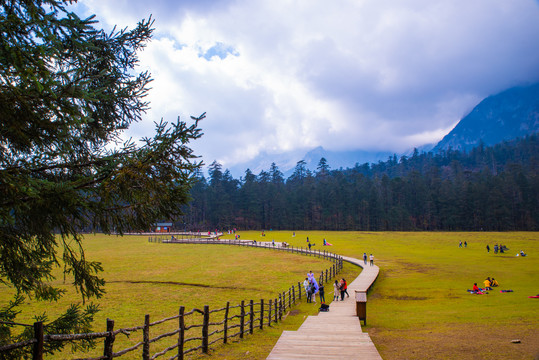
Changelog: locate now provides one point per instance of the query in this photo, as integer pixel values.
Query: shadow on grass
(179, 284)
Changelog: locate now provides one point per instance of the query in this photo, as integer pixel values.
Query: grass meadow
(418, 308)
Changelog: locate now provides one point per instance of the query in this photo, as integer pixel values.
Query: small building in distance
(163, 227)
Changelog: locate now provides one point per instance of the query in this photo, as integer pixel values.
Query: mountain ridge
(508, 115)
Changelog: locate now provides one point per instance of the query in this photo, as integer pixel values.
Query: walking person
(345, 288)
(365, 258)
(372, 259)
(488, 248)
(336, 291)
(341, 287)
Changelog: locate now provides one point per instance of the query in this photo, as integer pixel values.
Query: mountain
(508, 115)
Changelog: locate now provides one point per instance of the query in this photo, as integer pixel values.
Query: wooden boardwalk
(335, 334)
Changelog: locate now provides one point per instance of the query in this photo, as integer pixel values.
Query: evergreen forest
(486, 189)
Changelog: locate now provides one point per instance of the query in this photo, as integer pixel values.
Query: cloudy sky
(289, 76)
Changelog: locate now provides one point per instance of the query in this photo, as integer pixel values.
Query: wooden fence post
(261, 314)
(299, 291)
(205, 326)
(146, 338)
(242, 319)
(225, 323)
(109, 340)
(38, 346)
(280, 307)
(269, 313)
(181, 334)
(294, 294)
(290, 297)
(276, 314)
(251, 316)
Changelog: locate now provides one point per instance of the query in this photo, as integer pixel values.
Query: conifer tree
(67, 92)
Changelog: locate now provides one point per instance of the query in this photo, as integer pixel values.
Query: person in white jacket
(336, 291)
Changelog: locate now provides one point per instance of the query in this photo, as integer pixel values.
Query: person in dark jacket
(321, 293)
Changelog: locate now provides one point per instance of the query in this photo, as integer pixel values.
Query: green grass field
(418, 308)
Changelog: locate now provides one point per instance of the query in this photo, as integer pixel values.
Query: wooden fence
(197, 329)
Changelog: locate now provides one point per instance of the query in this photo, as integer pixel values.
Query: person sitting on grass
(476, 289)
(494, 282)
(487, 282)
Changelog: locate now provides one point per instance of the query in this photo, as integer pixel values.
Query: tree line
(489, 188)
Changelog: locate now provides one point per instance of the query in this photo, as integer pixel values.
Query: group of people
(312, 288)
(370, 257)
(340, 288)
(488, 283)
(501, 248)
(309, 244)
(465, 244)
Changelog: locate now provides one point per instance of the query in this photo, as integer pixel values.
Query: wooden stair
(335, 334)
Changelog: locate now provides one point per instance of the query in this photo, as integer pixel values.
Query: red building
(163, 227)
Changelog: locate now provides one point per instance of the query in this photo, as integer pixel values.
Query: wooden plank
(323, 336)
(317, 343)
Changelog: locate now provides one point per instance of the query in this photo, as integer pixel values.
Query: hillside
(508, 115)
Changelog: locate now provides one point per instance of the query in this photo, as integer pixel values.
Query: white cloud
(381, 75)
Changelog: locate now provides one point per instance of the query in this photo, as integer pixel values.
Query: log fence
(197, 329)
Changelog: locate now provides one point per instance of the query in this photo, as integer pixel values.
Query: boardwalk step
(333, 344)
(323, 336)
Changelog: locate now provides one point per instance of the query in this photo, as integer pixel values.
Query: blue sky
(288, 76)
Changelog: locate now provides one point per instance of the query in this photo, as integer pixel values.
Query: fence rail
(204, 326)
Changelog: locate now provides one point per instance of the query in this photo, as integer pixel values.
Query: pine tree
(67, 91)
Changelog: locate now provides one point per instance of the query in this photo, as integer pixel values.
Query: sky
(277, 77)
